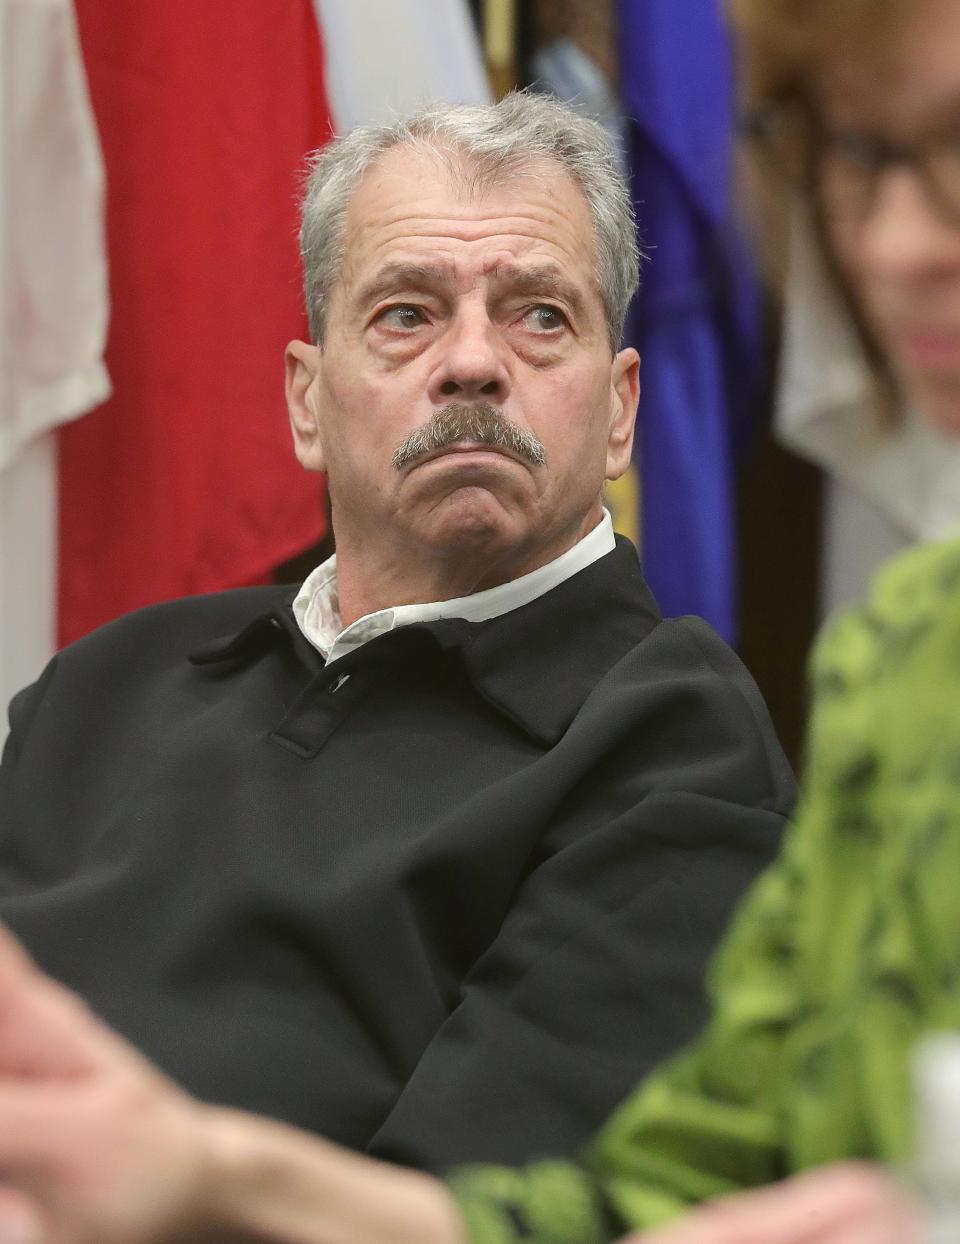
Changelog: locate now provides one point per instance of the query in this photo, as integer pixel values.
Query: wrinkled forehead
(426, 191)
(470, 177)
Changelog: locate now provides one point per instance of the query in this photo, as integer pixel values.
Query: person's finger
(20, 1220)
(45, 1030)
(14, 960)
(835, 1205)
(101, 1156)
(38, 1119)
(49, 1124)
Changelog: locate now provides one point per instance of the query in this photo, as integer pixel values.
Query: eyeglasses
(849, 166)
(842, 167)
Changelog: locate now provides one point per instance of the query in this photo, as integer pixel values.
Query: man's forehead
(472, 177)
(410, 182)
(413, 195)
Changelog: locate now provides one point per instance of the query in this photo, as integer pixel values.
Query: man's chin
(473, 517)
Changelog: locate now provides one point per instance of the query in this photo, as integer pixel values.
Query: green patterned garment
(842, 954)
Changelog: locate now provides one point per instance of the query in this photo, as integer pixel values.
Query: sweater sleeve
(711, 1121)
(596, 973)
(705, 1124)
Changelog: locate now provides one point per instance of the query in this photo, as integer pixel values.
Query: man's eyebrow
(542, 280)
(403, 274)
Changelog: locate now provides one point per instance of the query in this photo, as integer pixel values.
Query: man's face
(453, 298)
(901, 256)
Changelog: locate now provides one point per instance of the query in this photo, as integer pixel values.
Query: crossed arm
(96, 1147)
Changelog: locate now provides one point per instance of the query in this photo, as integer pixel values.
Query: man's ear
(303, 364)
(624, 397)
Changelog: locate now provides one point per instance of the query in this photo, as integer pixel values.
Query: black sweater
(449, 908)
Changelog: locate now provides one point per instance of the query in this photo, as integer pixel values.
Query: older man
(426, 857)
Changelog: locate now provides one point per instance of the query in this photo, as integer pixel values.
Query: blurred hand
(96, 1147)
(852, 1203)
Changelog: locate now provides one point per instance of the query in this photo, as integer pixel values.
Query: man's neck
(362, 589)
(366, 585)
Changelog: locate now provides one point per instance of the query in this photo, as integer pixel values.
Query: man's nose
(905, 237)
(471, 363)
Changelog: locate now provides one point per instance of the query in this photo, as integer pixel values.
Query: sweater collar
(536, 664)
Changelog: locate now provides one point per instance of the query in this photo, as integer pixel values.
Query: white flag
(53, 290)
(387, 57)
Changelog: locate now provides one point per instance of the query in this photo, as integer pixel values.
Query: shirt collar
(316, 607)
(536, 664)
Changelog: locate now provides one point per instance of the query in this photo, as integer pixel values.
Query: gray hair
(497, 140)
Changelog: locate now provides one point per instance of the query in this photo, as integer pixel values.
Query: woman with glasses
(855, 117)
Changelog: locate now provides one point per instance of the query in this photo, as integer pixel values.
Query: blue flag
(696, 321)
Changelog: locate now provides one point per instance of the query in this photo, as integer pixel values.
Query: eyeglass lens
(848, 168)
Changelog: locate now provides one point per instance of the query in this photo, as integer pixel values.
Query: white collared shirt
(317, 608)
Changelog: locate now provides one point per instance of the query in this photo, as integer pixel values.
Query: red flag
(185, 481)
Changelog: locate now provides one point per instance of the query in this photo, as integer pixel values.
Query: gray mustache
(459, 422)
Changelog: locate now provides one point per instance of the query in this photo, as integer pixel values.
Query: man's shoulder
(137, 654)
(137, 647)
(684, 677)
(178, 626)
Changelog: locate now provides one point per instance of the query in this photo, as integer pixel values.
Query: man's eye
(402, 315)
(544, 319)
